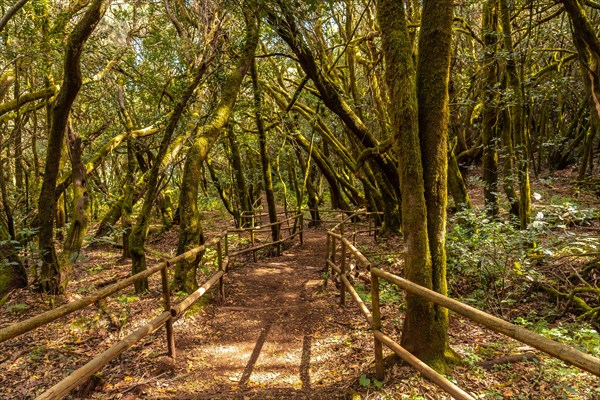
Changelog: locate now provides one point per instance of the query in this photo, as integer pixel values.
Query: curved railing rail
(348, 250)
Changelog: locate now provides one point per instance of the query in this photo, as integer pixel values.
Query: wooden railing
(166, 318)
(294, 229)
(347, 249)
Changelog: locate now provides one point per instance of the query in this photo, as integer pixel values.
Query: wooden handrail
(77, 377)
(423, 368)
(63, 387)
(566, 353)
(29, 324)
(558, 350)
(253, 249)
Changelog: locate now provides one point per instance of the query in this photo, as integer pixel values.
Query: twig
(143, 383)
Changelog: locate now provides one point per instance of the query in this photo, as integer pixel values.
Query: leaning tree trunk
(53, 278)
(332, 96)
(190, 231)
(139, 233)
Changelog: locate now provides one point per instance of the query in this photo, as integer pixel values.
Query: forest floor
(278, 334)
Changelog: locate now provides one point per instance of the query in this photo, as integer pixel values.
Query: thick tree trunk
(433, 72)
(190, 232)
(400, 75)
(53, 278)
(421, 134)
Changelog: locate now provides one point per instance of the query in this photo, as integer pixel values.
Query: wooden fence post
(342, 268)
(167, 306)
(327, 258)
(278, 229)
(333, 249)
(221, 268)
(252, 242)
(379, 373)
(301, 228)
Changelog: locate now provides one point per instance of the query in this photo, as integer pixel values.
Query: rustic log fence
(337, 238)
(166, 318)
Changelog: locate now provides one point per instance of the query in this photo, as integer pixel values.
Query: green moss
(199, 305)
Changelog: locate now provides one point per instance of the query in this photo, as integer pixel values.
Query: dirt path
(277, 335)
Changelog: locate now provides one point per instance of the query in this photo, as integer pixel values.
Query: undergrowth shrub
(486, 257)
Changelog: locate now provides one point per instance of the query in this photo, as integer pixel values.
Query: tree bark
(517, 128)
(400, 76)
(80, 203)
(190, 231)
(139, 233)
(12, 273)
(53, 279)
(264, 155)
(420, 133)
(489, 133)
(236, 163)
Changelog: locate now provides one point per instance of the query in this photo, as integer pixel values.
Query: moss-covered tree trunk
(433, 73)
(53, 278)
(401, 79)
(517, 127)
(420, 135)
(489, 132)
(139, 233)
(12, 273)
(245, 204)
(587, 42)
(264, 154)
(190, 232)
(80, 205)
(456, 183)
(6, 206)
(129, 182)
(508, 162)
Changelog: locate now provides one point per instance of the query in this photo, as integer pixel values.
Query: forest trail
(278, 334)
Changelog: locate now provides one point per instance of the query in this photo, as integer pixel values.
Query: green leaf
(364, 381)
